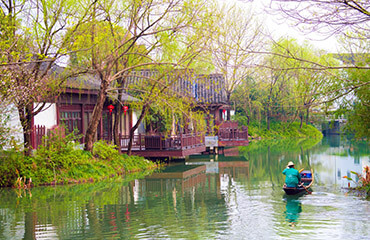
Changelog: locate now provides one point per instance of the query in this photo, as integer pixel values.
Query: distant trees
(351, 20)
(286, 87)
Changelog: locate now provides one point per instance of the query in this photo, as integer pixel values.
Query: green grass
(280, 130)
(61, 161)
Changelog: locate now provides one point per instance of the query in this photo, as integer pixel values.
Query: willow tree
(354, 95)
(310, 84)
(237, 37)
(33, 39)
(247, 97)
(277, 85)
(114, 54)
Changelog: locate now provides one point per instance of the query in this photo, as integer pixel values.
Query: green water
(237, 195)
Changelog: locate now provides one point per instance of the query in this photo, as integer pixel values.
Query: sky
(281, 27)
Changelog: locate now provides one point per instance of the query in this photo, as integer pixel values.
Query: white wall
(141, 128)
(47, 117)
(14, 123)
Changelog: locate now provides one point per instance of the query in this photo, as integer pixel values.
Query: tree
(327, 17)
(152, 24)
(310, 85)
(356, 105)
(349, 19)
(238, 35)
(277, 85)
(286, 86)
(247, 96)
(32, 40)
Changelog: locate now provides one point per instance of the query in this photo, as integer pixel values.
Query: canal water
(235, 195)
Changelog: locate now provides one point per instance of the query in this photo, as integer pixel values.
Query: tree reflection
(268, 158)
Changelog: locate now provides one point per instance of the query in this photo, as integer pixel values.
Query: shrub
(363, 183)
(105, 151)
(60, 159)
(11, 164)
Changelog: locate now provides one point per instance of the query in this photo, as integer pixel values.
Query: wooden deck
(186, 172)
(164, 146)
(229, 137)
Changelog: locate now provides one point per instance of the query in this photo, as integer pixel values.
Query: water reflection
(293, 210)
(228, 196)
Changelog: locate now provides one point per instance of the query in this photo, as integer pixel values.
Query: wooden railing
(226, 124)
(233, 134)
(162, 142)
(37, 132)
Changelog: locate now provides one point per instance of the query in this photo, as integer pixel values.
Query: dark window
(71, 121)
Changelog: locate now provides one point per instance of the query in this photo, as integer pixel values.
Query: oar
(306, 189)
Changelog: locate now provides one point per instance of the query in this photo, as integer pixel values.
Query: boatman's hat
(290, 164)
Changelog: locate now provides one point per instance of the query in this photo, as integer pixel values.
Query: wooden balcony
(229, 134)
(164, 146)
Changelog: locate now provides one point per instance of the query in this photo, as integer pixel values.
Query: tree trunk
(248, 116)
(307, 114)
(132, 130)
(25, 117)
(96, 115)
(117, 117)
(301, 119)
(228, 110)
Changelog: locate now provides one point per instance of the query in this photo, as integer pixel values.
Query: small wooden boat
(307, 179)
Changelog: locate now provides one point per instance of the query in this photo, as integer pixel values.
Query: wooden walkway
(164, 146)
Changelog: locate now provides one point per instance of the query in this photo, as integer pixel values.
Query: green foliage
(267, 158)
(357, 108)
(11, 162)
(288, 88)
(104, 151)
(363, 183)
(60, 160)
(279, 129)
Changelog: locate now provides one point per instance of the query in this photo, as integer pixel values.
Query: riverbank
(61, 161)
(282, 130)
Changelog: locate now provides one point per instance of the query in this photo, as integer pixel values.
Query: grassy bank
(280, 130)
(61, 161)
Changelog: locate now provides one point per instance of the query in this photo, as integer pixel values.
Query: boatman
(293, 178)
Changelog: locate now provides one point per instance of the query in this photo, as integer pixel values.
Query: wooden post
(83, 127)
(160, 141)
(120, 142)
(140, 142)
(33, 142)
(181, 139)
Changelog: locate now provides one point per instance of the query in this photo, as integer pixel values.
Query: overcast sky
(280, 27)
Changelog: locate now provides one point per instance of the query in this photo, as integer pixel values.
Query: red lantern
(125, 108)
(110, 108)
(223, 110)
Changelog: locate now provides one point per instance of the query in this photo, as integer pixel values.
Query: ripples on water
(237, 198)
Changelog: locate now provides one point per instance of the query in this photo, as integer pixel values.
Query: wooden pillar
(82, 122)
(101, 126)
